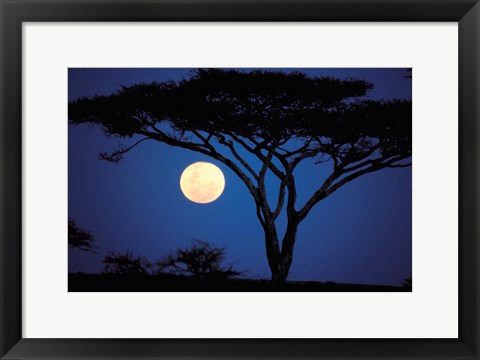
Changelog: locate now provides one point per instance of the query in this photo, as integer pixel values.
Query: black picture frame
(14, 12)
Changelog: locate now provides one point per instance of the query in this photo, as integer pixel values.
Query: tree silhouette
(126, 264)
(201, 260)
(78, 238)
(279, 119)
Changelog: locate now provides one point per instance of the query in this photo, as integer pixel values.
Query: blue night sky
(360, 234)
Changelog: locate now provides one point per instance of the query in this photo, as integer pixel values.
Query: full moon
(202, 182)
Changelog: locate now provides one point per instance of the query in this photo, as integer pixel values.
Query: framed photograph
(239, 179)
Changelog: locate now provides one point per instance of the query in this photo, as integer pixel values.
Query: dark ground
(127, 283)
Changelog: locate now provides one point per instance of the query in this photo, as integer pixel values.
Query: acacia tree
(279, 119)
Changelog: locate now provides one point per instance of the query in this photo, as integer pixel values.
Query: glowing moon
(202, 182)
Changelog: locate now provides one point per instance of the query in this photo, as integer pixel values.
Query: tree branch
(400, 165)
(117, 155)
(280, 201)
(223, 141)
(362, 164)
(292, 195)
(307, 154)
(261, 182)
(327, 188)
(267, 162)
(257, 153)
(259, 215)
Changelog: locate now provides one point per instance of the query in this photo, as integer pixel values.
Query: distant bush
(126, 264)
(78, 238)
(200, 260)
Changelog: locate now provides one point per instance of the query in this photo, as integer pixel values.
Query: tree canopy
(261, 111)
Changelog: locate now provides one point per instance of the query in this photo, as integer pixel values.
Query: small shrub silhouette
(200, 260)
(126, 264)
(78, 238)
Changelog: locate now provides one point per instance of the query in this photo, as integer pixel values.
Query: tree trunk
(280, 274)
(280, 261)
(272, 248)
